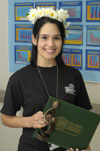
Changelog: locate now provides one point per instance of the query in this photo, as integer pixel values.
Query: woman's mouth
(50, 50)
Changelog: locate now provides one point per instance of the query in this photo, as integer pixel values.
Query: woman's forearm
(16, 121)
(35, 121)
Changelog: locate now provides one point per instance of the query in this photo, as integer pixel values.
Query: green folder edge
(71, 139)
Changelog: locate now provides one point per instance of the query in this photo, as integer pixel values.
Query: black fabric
(59, 149)
(25, 89)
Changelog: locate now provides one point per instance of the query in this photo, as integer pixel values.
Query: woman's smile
(50, 50)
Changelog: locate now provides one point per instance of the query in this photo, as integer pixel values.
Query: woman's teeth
(50, 50)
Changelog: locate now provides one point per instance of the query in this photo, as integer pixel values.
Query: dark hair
(37, 26)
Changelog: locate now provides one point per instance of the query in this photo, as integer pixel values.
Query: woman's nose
(50, 42)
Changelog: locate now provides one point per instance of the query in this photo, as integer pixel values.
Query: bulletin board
(82, 42)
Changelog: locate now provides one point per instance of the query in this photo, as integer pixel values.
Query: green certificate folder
(74, 126)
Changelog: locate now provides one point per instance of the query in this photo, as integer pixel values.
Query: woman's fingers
(71, 149)
(38, 120)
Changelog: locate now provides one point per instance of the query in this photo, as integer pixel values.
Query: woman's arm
(35, 121)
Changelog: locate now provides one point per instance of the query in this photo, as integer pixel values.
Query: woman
(47, 75)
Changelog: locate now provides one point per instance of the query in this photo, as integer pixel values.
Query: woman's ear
(34, 40)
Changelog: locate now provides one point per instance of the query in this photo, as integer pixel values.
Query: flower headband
(60, 15)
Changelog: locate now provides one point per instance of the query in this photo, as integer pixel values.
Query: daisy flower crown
(61, 15)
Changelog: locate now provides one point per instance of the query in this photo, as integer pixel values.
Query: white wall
(94, 92)
(4, 72)
(9, 137)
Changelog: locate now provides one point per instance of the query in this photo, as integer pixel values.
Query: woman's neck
(46, 64)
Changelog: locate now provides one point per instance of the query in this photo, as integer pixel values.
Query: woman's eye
(44, 37)
(57, 38)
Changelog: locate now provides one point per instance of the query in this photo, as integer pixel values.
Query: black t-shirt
(25, 89)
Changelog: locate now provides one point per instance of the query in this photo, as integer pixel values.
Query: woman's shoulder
(70, 69)
(71, 73)
(23, 72)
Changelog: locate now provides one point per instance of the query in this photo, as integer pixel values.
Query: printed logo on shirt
(70, 89)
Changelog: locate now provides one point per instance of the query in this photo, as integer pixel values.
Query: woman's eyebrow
(48, 35)
(57, 35)
(43, 35)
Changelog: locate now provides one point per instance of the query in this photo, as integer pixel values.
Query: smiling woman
(49, 44)
(45, 76)
(43, 33)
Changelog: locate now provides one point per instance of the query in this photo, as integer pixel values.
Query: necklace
(45, 83)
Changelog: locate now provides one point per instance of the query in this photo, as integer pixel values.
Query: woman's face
(49, 44)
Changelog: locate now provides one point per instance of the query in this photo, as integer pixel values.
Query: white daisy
(60, 15)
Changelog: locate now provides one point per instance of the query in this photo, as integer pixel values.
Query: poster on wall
(81, 48)
(46, 4)
(93, 60)
(93, 11)
(74, 9)
(73, 57)
(74, 35)
(22, 54)
(23, 33)
(93, 35)
(21, 9)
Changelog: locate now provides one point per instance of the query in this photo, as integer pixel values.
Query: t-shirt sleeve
(13, 97)
(82, 98)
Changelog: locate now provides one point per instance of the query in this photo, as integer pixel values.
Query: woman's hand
(71, 149)
(37, 120)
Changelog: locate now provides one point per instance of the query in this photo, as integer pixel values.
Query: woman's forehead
(49, 28)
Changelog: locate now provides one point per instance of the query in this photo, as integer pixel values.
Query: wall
(94, 92)
(4, 73)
